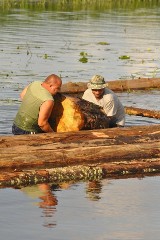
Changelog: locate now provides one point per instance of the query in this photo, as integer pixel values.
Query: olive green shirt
(27, 116)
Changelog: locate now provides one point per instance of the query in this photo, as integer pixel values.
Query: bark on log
(116, 85)
(142, 112)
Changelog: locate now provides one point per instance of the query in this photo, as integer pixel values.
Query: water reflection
(124, 209)
(93, 190)
(47, 201)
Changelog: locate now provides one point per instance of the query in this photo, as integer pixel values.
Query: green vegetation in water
(45, 56)
(104, 43)
(83, 54)
(84, 58)
(76, 5)
(124, 57)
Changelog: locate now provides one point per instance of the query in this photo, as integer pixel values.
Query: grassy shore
(75, 5)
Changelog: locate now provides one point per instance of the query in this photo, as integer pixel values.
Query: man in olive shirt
(36, 107)
(97, 93)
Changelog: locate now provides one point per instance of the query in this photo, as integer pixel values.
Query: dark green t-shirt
(27, 116)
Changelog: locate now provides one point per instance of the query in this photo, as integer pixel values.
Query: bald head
(52, 83)
(53, 79)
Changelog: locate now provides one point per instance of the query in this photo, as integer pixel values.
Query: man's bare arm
(44, 114)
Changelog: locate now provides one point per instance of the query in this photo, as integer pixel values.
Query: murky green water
(38, 38)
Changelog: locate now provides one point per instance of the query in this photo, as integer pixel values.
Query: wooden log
(80, 172)
(142, 112)
(74, 114)
(135, 84)
(116, 85)
(83, 147)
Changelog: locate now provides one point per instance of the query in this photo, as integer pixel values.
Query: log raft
(29, 159)
(79, 155)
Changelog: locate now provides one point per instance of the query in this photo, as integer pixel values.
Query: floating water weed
(45, 56)
(84, 54)
(103, 43)
(84, 58)
(124, 57)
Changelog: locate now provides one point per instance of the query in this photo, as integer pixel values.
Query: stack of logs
(72, 153)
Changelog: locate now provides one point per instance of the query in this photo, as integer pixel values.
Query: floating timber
(29, 159)
(115, 85)
(142, 112)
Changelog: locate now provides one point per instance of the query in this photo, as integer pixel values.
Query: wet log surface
(116, 85)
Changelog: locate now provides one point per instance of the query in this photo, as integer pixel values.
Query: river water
(109, 209)
(35, 43)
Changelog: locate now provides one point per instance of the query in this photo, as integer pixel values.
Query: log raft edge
(80, 173)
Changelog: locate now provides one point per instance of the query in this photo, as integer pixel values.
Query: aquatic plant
(45, 56)
(84, 58)
(123, 57)
(103, 43)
